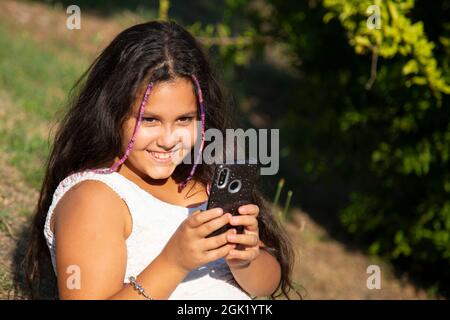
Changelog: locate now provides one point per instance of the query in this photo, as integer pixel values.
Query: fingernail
(234, 220)
(219, 210)
(231, 237)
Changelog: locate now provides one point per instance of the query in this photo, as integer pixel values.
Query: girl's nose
(167, 140)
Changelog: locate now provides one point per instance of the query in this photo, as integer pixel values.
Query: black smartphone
(232, 187)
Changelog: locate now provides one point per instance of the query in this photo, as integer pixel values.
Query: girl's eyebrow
(184, 115)
(188, 114)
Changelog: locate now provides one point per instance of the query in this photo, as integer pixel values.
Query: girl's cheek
(186, 135)
(145, 137)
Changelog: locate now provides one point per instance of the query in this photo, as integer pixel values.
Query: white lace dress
(154, 222)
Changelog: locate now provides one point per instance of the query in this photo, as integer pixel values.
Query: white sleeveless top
(154, 222)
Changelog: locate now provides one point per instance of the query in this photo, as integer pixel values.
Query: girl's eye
(185, 120)
(149, 120)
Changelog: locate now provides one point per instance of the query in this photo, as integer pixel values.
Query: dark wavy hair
(89, 134)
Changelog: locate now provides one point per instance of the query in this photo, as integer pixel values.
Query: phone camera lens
(234, 186)
(223, 178)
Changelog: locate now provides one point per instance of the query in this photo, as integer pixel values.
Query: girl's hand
(188, 248)
(248, 241)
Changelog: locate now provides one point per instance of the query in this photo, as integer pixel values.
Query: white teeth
(161, 156)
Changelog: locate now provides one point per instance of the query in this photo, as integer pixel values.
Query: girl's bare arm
(261, 277)
(91, 250)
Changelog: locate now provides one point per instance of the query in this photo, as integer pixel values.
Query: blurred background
(360, 95)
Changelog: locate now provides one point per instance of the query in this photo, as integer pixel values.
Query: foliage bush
(371, 108)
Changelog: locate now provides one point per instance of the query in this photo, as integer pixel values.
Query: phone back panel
(226, 197)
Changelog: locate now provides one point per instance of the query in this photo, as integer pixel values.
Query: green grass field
(34, 82)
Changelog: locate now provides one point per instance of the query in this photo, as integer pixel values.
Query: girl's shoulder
(74, 179)
(89, 192)
(89, 197)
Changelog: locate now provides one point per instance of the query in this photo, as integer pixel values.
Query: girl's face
(167, 131)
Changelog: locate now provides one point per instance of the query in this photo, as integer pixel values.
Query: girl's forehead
(174, 95)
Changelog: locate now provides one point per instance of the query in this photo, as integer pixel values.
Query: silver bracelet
(139, 288)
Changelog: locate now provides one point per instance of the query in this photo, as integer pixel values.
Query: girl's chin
(160, 173)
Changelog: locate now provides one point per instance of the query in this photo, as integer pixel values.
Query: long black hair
(89, 135)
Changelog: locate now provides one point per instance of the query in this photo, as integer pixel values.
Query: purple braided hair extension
(133, 138)
(202, 116)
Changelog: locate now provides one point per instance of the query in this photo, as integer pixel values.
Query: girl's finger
(223, 251)
(213, 225)
(248, 221)
(200, 217)
(250, 209)
(245, 239)
(248, 255)
(217, 241)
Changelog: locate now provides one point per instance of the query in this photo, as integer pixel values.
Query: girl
(119, 215)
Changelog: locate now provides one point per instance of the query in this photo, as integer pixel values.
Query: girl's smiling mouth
(162, 157)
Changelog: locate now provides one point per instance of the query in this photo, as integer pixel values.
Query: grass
(6, 283)
(28, 155)
(36, 81)
(4, 214)
(36, 78)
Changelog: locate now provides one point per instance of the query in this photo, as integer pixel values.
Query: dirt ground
(328, 270)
